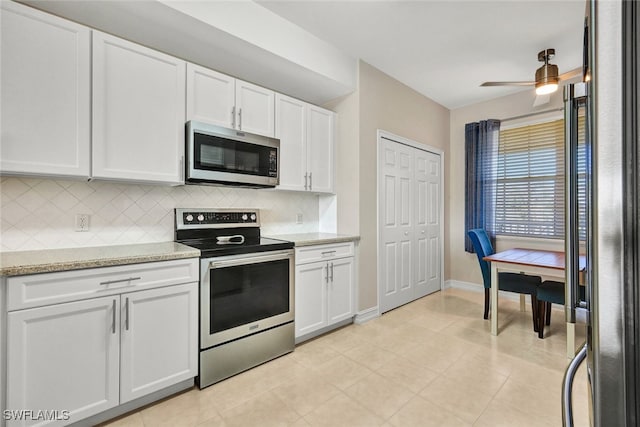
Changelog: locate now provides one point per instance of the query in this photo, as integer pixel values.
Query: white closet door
(396, 219)
(427, 223)
(434, 197)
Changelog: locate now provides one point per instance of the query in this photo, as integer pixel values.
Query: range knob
(189, 218)
(244, 217)
(200, 217)
(253, 217)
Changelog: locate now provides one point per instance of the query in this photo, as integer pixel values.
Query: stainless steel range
(246, 290)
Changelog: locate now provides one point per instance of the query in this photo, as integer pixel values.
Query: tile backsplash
(40, 213)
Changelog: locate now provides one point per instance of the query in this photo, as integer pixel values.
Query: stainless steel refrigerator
(603, 213)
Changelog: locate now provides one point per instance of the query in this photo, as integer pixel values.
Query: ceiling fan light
(546, 89)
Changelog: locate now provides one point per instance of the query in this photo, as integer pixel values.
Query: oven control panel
(213, 218)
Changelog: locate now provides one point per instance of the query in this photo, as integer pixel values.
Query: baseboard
(366, 315)
(476, 287)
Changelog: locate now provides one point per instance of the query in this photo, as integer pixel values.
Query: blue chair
(511, 282)
(550, 292)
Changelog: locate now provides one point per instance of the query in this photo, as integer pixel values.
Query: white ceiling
(446, 49)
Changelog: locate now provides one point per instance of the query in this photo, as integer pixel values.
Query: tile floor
(432, 362)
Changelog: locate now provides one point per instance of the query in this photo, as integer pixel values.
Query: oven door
(244, 294)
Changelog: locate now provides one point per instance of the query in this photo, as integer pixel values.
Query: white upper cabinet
(45, 86)
(211, 96)
(291, 128)
(320, 136)
(138, 112)
(219, 99)
(255, 109)
(306, 134)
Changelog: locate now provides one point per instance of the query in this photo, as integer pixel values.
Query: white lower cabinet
(311, 297)
(324, 289)
(64, 357)
(159, 339)
(88, 356)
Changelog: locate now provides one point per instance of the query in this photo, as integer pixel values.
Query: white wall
(460, 265)
(40, 213)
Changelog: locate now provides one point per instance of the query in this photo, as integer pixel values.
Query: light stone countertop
(50, 260)
(308, 239)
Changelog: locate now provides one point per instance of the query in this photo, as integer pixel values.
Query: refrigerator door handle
(567, 387)
(574, 97)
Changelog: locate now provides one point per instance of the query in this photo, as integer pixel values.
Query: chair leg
(541, 316)
(486, 303)
(534, 312)
(548, 313)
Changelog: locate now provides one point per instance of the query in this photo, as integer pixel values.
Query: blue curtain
(481, 161)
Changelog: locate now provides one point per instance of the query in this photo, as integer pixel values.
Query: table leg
(494, 300)
(522, 303)
(571, 340)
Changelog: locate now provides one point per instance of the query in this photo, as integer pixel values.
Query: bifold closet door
(396, 220)
(409, 213)
(427, 223)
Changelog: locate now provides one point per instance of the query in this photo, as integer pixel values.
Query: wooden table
(529, 261)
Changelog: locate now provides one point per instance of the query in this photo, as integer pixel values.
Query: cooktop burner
(220, 232)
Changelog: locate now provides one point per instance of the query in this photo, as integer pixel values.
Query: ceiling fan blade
(541, 100)
(485, 84)
(571, 74)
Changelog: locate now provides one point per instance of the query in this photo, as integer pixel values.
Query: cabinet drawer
(52, 288)
(315, 253)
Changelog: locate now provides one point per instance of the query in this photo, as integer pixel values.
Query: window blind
(530, 180)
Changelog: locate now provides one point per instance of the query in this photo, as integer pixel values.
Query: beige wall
(459, 265)
(388, 105)
(347, 178)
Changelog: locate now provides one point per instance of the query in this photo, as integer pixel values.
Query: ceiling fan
(547, 77)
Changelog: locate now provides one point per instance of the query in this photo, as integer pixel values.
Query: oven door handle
(251, 260)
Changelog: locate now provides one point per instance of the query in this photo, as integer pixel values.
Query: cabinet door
(210, 96)
(138, 112)
(320, 137)
(291, 127)
(64, 357)
(45, 86)
(341, 284)
(159, 339)
(311, 297)
(255, 109)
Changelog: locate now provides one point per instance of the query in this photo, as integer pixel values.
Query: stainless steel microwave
(218, 155)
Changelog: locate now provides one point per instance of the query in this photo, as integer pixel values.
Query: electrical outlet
(82, 222)
(299, 218)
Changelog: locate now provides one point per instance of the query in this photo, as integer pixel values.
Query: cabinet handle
(326, 277)
(113, 317)
(240, 119)
(111, 282)
(310, 181)
(332, 272)
(233, 117)
(306, 178)
(126, 309)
